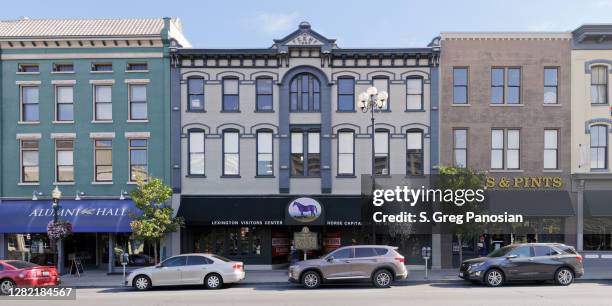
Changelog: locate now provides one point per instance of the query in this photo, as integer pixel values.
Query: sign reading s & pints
(525, 182)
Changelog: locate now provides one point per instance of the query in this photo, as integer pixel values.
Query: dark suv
(379, 263)
(525, 262)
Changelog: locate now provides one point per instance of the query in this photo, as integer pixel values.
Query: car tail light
(400, 259)
(237, 266)
(579, 258)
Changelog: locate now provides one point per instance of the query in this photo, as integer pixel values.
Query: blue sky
(381, 23)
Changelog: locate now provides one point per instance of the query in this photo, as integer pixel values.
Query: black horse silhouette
(312, 209)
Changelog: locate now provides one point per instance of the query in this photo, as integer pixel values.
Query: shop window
(597, 234)
(381, 152)
(244, 241)
(414, 153)
(36, 248)
(141, 253)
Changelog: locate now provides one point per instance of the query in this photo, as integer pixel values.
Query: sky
(355, 24)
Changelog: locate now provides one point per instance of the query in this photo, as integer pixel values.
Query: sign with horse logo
(304, 210)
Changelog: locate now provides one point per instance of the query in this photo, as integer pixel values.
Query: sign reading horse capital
(304, 210)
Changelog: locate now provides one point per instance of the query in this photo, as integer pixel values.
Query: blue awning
(86, 216)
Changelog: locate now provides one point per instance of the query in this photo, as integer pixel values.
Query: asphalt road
(354, 295)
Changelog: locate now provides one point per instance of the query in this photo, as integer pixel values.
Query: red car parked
(17, 273)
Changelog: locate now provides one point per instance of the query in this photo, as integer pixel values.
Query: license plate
(45, 273)
(460, 274)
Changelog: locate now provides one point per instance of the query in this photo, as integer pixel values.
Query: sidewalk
(594, 270)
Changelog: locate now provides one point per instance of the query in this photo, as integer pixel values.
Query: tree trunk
(460, 241)
(155, 251)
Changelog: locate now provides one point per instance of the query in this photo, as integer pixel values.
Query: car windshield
(501, 252)
(21, 264)
(221, 258)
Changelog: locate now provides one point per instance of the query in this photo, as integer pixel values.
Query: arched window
(599, 147)
(599, 85)
(305, 93)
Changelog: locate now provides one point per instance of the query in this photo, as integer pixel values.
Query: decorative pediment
(304, 36)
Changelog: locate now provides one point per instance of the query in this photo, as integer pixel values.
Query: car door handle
(530, 259)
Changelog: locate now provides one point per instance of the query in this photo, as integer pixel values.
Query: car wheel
(142, 283)
(494, 278)
(564, 277)
(382, 279)
(311, 280)
(6, 285)
(213, 281)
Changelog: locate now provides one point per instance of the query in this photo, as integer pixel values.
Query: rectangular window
(599, 147)
(195, 89)
(64, 160)
(231, 153)
(382, 84)
(460, 147)
(505, 149)
(139, 162)
(231, 97)
(102, 67)
(28, 68)
(29, 103)
(551, 147)
(460, 85)
(63, 67)
(138, 101)
(265, 163)
(414, 153)
(550, 85)
(64, 101)
(346, 153)
(414, 94)
(314, 154)
(29, 161)
(137, 67)
(297, 154)
(196, 153)
(381, 153)
(103, 108)
(497, 86)
(505, 86)
(103, 151)
(514, 86)
(346, 94)
(599, 85)
(264, 91)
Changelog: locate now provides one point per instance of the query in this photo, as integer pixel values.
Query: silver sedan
(209, 270)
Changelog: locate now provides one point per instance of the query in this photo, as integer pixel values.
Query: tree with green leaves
(455, 178)
(157, 218)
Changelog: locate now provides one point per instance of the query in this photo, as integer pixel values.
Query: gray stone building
(269, 140)
(505, 110)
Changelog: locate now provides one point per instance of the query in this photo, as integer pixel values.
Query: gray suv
(525, 262)
(377, 263)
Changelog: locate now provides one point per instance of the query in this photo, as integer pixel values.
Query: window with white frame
(231, 153)
(460, 149)
(551, 149)
(138, 101)
(414, 93)
(265, 162)
(599, 85)
(505, 149)
(29, 161)
(346, 153)
(64, 103)
(414, 152)
(64, 160)
(139, 162)
(103, 100)
(103, 168)
(305, 153)
(29, 103)
(381, 152)
(196, 152)
(551, 85)
(599, 147)
(314, 153)
(382, 84)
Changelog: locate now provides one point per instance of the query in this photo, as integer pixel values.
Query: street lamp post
(56, 194)
(371, 101)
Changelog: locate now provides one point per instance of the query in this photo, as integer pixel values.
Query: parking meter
(124, 259)
(426, 254)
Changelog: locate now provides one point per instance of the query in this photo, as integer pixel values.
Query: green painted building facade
(85, 106)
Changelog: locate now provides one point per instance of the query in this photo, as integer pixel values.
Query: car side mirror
(511, 256)
(330, 258)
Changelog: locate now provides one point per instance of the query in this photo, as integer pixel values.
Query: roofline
(89, 37)
(272, 51)
(507, 35)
